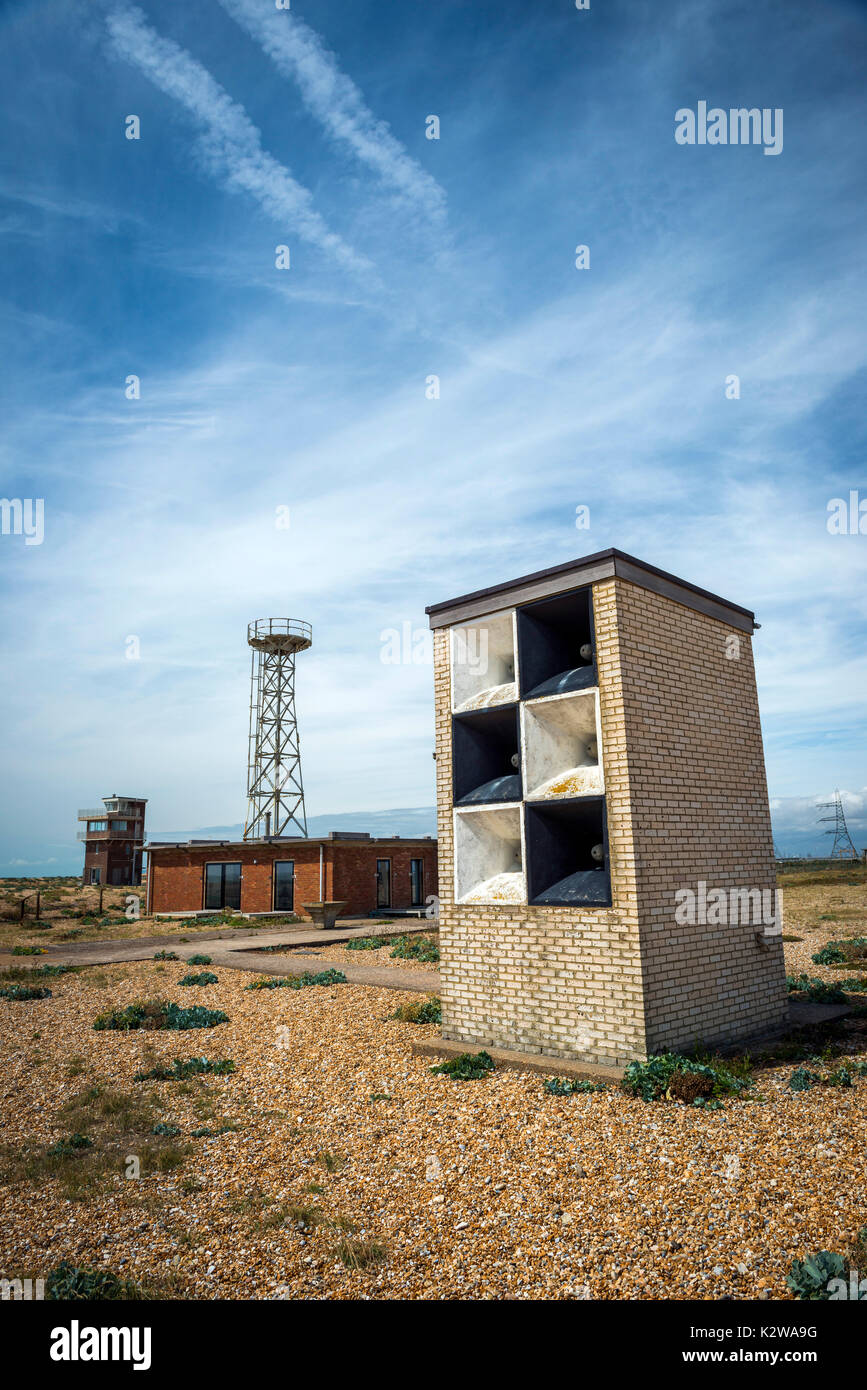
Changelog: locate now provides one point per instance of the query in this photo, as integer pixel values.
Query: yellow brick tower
(606, 861)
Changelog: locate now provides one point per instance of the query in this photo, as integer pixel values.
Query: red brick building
(280, 875)
(113, 841)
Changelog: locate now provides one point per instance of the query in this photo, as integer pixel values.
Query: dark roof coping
(604, 564)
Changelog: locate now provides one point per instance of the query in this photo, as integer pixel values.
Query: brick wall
(686, 798)
(354, 875)
(349, 873)
(700, 810)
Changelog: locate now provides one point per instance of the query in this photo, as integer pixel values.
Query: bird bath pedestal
(325, 914)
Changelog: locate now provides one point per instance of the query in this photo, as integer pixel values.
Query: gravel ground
(337, 955)
(411, 1185)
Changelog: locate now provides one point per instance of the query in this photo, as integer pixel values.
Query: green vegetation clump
(52, 971)
(829, 955)
(367, 943)
(356, 1252)
(427, 1010)
(198, 960)
(809, 1278)
(212, 1133)
(159, 1014)
(182, 1070)
(855, 984)
(67, 1281)
(673, 1077)
(68, 1148)
(559, 1086)
(28, 951)
(802, 1079)
(324, 977)
(816, 990)
(165, 955)
(468, 1066)
(415, 948)
(205, 977)
(166, 1131)
(21, 992)
(850, 948)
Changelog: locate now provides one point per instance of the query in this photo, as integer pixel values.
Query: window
(383, 883)
(416, 882)
(223, 885)
(95, 875)
(284, 885)
(97, 825)
(120, 825)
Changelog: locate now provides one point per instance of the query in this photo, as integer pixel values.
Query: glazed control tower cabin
(113, 840)
(606, 865)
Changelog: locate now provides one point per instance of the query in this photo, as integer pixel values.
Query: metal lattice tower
(843, 846)
(275, 792)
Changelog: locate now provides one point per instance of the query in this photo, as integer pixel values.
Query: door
(284, 886)
(416, 882)
(223, 885)
(95, 875)
(383, 883)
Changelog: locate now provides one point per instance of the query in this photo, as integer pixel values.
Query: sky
(287, 453)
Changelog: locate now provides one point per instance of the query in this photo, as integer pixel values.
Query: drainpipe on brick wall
(322, 873)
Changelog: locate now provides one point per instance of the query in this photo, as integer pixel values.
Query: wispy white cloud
(230, 144)
(333, 98)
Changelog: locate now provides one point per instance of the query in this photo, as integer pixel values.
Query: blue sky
(264, 388)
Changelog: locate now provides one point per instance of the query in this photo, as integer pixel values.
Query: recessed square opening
(563, 840)
(485, 756)
(555, 645)
(561, 747)
(488, 860)
(483, 663)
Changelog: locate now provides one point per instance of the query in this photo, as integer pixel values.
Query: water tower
(275, 793)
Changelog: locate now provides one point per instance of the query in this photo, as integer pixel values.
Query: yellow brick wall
(700, 809)
(686, 799)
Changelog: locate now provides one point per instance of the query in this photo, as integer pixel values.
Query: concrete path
(235, 950)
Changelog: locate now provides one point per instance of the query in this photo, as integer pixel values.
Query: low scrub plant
(673, 1077)
(68, 1148)
(415, 948)
(809, 1279)
(28, 951)
(182, 1070)
(852, 948)
(427, 1010)
(468, 1066)
(198, 960)
(68, 1281)
(367, 943)
(205, 977)
(159, 1014)
(165, 955)
(561, 1086)
(324, 977)
(818, 991)
(20, 993)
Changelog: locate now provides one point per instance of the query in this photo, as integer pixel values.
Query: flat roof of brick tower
(605, 564)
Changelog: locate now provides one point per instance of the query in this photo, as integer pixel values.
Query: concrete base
(799, 1016)
(521, 1061)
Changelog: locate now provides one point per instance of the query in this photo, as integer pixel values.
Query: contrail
(230, 144)
(333, 98)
